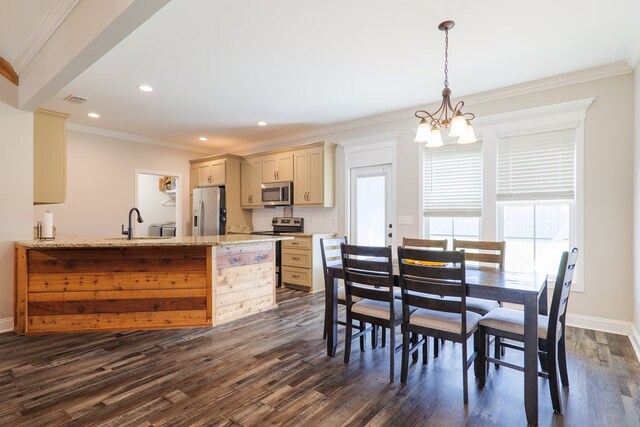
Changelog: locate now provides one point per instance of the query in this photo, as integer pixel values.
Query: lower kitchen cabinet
(302, 263)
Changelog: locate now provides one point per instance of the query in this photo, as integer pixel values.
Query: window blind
(452, 181)
(537, 166)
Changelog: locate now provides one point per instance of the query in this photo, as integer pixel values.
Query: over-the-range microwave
(277, 194)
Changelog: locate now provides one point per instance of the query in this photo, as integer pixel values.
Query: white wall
(16, 208)
(152, 204)
(101, 183)
(636, 201)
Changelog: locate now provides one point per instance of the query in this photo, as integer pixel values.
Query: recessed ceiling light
(145, 88)
(261, 123)
(202, 138)
(94, 115)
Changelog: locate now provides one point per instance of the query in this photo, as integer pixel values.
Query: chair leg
(425, 349)
(562, 362)
(363, 337)
(465, 382)
(404, 369)
(326, 325)
(436, 347)
(554, 384)
(414, 341)
(384, 337)
(392, 349)
(498, 350)
(347, 339)
(374, 336)
(481, 372)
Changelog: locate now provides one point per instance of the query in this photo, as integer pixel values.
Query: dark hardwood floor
(271, 369)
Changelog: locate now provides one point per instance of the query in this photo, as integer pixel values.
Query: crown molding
(134, 138)
(49, 24)
(605, 71)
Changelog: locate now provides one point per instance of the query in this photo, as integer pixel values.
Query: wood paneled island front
(84, 285)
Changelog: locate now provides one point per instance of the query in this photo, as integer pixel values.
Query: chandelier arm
(469, 116)
(458, 107)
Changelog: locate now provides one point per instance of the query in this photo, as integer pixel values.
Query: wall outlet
(405, 219)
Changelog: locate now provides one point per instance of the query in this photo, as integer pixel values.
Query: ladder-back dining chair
(368, 275)
(426, 277)
(509, 323)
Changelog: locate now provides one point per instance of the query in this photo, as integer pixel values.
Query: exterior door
(370, 205)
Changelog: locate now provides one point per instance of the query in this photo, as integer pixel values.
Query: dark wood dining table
(527, 289)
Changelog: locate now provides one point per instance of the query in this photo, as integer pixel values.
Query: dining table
(528, 289)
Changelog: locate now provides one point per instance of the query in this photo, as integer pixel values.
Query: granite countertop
(300, 234)
(117, 242)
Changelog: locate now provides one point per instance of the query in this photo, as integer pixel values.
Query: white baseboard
(599, 324)
(6, 325)
(607, 325)
(634, 336)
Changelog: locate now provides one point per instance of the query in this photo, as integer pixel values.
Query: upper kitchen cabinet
(314, 178)
(277, 167)
(251, 178)
(222, 170)
(211, 173)
(49, 157)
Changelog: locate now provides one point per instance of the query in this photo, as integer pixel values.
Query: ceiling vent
(75, 99)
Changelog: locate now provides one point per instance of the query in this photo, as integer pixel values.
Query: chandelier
(459, 124)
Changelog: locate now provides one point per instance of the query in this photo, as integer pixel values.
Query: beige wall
(101, 183)
(16, 164)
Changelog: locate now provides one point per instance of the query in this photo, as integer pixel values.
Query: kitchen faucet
(129, 231)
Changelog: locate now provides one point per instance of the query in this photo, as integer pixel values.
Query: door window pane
(370, 211)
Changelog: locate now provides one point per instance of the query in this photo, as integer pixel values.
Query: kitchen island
(84, 285)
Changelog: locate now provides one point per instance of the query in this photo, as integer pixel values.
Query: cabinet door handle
(295, 243)
(295, 258)
(295, 276)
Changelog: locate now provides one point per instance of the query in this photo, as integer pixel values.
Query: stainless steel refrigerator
(209, 213)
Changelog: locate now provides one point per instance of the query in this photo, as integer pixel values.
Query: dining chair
(509, 323)
(368, 275)
(332, 256)
(485, 252)
(426, 276)
(410, 242)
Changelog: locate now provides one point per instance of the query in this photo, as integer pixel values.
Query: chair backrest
(427, 275)
(409, 242)
(368, 272)
(482, 251)
(331, 253)
(561, 291)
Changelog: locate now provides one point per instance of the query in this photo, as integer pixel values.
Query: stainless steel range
(282, 225)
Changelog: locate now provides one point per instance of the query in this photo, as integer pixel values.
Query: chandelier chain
(446, 58)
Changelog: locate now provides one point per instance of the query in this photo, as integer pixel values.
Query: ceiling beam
(7, 70)
(89, 31)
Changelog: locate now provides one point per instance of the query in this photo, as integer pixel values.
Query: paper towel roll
(47, 225)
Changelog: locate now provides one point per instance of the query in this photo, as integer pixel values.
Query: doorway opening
(158, 199)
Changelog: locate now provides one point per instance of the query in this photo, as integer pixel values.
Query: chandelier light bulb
(423, 132)
(469, 136)
(435, 138)
(458, 125)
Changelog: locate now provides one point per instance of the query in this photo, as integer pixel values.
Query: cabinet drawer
(296, 276)
(297, 243)
(296, 258)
